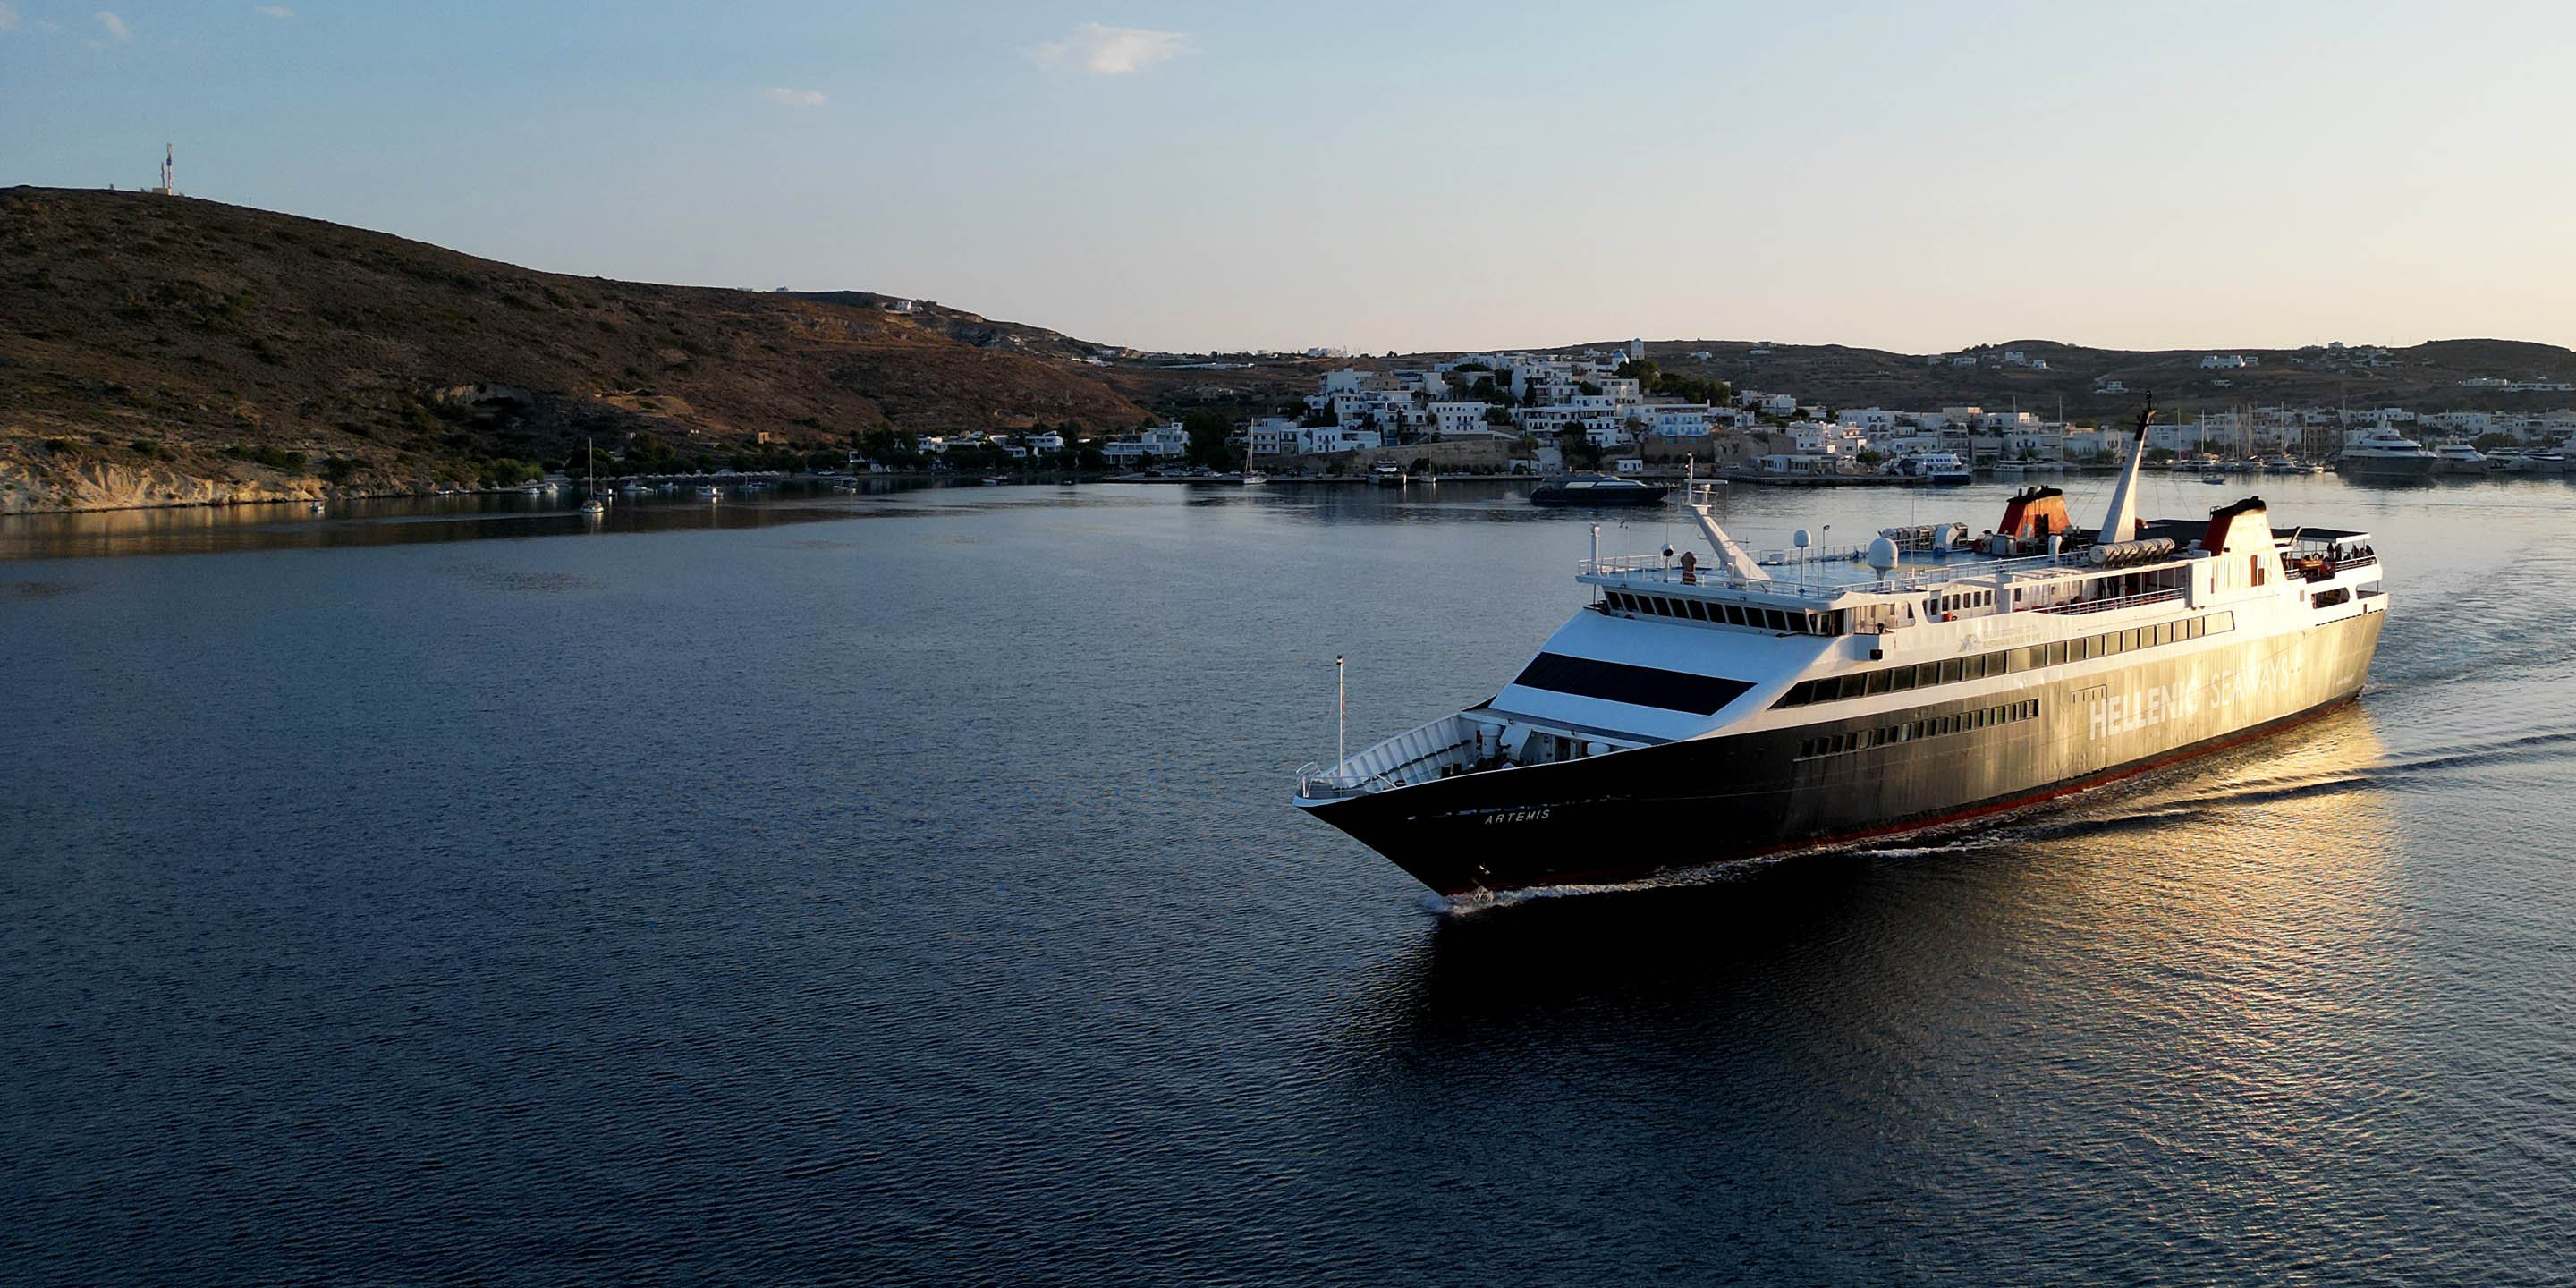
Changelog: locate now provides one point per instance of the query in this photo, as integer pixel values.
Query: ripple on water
(674, 905)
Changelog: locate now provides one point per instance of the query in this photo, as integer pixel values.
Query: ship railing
(1315, 783)
(2113, 604)
(1658, 570)
(1435, 750)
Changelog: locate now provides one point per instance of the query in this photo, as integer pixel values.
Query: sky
(1412, 176)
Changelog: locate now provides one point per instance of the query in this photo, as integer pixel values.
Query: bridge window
(1642, 686)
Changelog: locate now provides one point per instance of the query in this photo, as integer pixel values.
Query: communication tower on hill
(167, 188)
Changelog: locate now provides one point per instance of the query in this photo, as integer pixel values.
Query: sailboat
(597, 505)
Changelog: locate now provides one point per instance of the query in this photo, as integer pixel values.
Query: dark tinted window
(1643, 686)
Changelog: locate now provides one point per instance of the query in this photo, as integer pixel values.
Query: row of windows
(1963, 600)
(1726, 614)
(1835, 744)
(2011, 661)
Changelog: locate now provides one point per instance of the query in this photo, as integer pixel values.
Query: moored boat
(1596, 489)
(1944, 468)
(2386, 454)
(2459, 459)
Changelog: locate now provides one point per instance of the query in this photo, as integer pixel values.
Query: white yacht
(1712, 706)
(2386, 454)
(1933, 467)
(2460, 458)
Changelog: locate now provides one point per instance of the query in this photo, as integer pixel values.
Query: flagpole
(1339, 709)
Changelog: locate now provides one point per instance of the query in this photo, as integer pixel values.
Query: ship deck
(1825, 578)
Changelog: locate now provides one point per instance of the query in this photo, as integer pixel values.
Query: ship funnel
(2120, 522)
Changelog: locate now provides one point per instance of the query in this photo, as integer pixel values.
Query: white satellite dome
(1882, 556)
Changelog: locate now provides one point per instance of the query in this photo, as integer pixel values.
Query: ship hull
(1688, 804)
(1619, 497)
(2386, 467)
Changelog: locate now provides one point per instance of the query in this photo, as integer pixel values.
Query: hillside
(2424, 377)
(157, 350)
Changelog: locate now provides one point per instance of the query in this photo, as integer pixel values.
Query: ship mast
(2120, 522)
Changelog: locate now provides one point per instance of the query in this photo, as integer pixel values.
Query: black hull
(1649, 496)
(1689, 804)
(2383, 470)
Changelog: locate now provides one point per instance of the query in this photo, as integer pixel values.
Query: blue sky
(1433, 175)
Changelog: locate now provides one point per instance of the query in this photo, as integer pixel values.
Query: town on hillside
(1617, 411)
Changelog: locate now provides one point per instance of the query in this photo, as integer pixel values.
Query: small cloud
(1111, 51)
(8, 16)
(800, 97)
(273, 10)
(116, 28)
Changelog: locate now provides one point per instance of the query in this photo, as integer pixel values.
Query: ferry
(1703, 709)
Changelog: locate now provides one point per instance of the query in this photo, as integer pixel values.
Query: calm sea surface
(903, 889)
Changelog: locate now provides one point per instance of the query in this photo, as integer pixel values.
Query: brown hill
(2424, 377)
(157, 349)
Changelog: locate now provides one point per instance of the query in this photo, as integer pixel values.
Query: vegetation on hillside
(178, 337)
